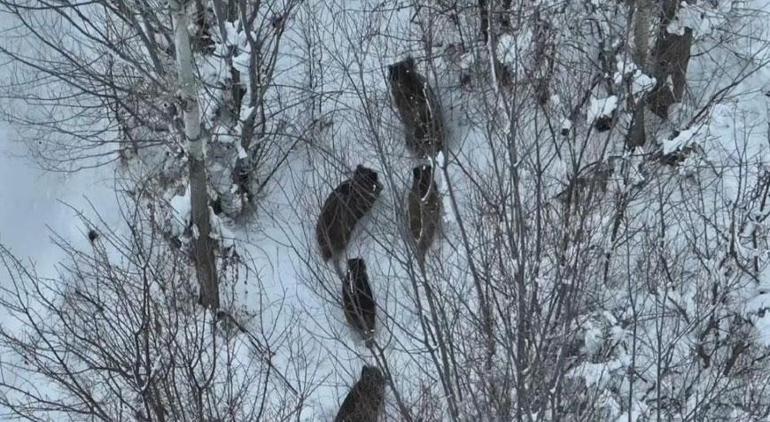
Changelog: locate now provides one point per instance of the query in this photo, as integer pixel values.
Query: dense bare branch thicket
(596, 262)
(118, 335)
(599, 204)
(96, 82)
(122, 81)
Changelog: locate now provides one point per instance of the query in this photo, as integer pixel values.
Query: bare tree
(118, 335)
(123, 85)
(97, 85)
(590, 261)
(203, 244)
(557, 290)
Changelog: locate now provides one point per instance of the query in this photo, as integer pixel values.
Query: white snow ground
(34, 202)
(31, 198)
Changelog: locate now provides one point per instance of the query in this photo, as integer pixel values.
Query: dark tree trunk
(203, 244)
(484, 20)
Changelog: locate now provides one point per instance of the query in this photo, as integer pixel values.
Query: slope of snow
(36, 202)
(280, 244)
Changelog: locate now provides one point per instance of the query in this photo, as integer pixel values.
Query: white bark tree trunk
(203, 246)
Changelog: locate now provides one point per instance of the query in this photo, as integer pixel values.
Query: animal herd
(352, 199)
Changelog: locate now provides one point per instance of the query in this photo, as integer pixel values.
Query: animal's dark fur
(357, 299)
(365, 400)
(588, 186)
(423, 209)
(417, 107)
(670, 58)
(344, 207)
(604, 123)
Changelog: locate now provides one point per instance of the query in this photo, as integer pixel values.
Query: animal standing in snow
(344, 207)
(423, 209)
(358, 301)
(364, 401)
(417, 107)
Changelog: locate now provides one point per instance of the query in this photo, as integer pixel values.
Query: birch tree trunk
(203, 246)
(636, 135)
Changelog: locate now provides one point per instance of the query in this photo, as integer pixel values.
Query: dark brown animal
(671, 57)
(604, 123)
(417, 108)
(365, 400)
(423, 209)
(344, 207)
(589, 185)
(358, 301)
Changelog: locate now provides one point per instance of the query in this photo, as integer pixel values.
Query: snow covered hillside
(602, 179)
